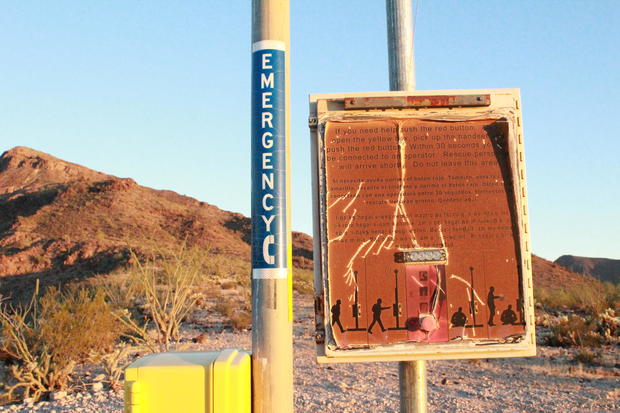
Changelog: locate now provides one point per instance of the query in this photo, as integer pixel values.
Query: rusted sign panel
(421, 230)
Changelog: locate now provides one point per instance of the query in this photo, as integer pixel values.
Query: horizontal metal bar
(437, 101)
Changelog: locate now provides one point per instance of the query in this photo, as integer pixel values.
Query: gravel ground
(547, 383)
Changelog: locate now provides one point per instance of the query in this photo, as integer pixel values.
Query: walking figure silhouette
(336, 315)
(376, 315)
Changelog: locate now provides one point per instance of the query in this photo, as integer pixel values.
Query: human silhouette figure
(509, 316)
(376, 315)
(459, 319)
(491, 303)
(336, 315)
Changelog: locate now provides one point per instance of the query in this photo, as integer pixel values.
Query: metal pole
(412, 374)
(272, 326)
(412, 384)
(400, 44)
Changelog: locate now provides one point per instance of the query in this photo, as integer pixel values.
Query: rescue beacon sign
(421, 231)
(269, 243)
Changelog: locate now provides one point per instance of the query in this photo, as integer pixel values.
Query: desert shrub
(113, 364)
(544, 319)
(587, 356)
(77, 322)
(225, 265)
(120, 289)
(574, 330)
(612, 295)
(166, 288)
(303, 281)
(47, 337)
(37, 259)
(238, 310)
(608, 325)
(227, 285)
(583, 297)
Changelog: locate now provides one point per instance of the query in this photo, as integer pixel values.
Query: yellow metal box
(189, 382)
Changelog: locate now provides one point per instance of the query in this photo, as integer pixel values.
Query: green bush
(584, 297)
(47, 337)
(612, 295)
(77, 322)
(224, 265)
(303, 281)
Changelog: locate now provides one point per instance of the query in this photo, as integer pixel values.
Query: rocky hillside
(548, 274)
(59, 221)
(604, 269)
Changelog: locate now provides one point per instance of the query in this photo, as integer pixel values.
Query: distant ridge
(548, 274)
(61, 221)
(604, 269)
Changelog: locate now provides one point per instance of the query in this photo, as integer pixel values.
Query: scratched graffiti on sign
(421, 232)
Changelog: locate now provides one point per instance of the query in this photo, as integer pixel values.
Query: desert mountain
(59, 221)
(605, 269)
(548, 274)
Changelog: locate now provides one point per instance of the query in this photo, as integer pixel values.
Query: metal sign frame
(447, 106)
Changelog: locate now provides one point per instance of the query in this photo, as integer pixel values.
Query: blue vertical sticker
(269, 253)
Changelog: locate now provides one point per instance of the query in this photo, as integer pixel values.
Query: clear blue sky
(159, 91)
